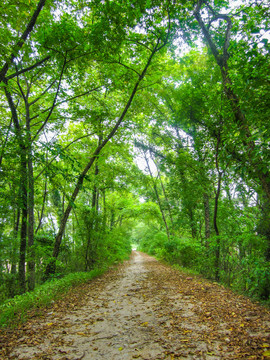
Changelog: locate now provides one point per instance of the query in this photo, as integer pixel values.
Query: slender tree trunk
(217, 260)
(94, 207)
(31, 221)
(157, 196)
(43, 207)
(163, 190)
(12, 284)
(263, 227)
(5, 143)
(260, 171)
(206, 216)
(23, 235)
(112, 220)
(104, 210)
(216, 205)
(192, 223)
(23, 189)
(31, 203)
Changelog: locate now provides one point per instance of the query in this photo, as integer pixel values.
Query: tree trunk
(217, 260)
(23, 189)
(23, 38)
(157, 196)
(94, 207)
(192, 223)
(263, 227)
(12, 284)
(43, 207)
(104, 221)
(31, 220)
(164, 191)
(222, 60)
(31, 202)
(206, 216)
(23, 237)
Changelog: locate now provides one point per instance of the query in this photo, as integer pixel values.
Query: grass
(185, 270)
(14, 311)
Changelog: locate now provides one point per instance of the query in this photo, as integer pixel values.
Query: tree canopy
(134, 122)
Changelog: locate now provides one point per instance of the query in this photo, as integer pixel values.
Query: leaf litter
(143, 309)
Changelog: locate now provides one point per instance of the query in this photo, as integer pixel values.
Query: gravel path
(146, 310)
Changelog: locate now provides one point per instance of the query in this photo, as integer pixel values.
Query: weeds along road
(144, 309)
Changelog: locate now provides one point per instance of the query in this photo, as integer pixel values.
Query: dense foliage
(140, 123)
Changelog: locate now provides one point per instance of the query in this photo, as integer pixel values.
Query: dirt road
(145, 310)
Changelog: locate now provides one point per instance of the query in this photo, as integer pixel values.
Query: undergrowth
(14, 311)
(241, 264)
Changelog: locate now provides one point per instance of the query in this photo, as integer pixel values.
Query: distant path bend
(147, 310)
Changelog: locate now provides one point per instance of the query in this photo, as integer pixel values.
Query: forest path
(145, 310)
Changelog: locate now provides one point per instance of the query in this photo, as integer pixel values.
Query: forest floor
(143, 309)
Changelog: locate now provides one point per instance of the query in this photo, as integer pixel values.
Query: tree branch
(5, 142)
(22, 39)
(44, 92)
(53, 105)
(206, 33)
(125, 66)
(66, 100)
(66, 147)
(17, 73)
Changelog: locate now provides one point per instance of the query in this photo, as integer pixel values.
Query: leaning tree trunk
(163, 190)
(157, 196)
(50, 269)
(260, 168)
(260, 172)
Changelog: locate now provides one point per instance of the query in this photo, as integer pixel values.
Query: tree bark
(30, 192)
(43, 207)
(192, 223)
(94, 207)
(217, 259)
(31, 218)
(206, 216)
(5, 143)
(23, 236)
(23, 190)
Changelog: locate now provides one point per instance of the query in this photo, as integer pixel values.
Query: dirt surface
(144, 310)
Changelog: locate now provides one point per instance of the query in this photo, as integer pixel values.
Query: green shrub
(15, 310)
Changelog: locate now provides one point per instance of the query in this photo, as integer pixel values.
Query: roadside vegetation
(140, 122)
